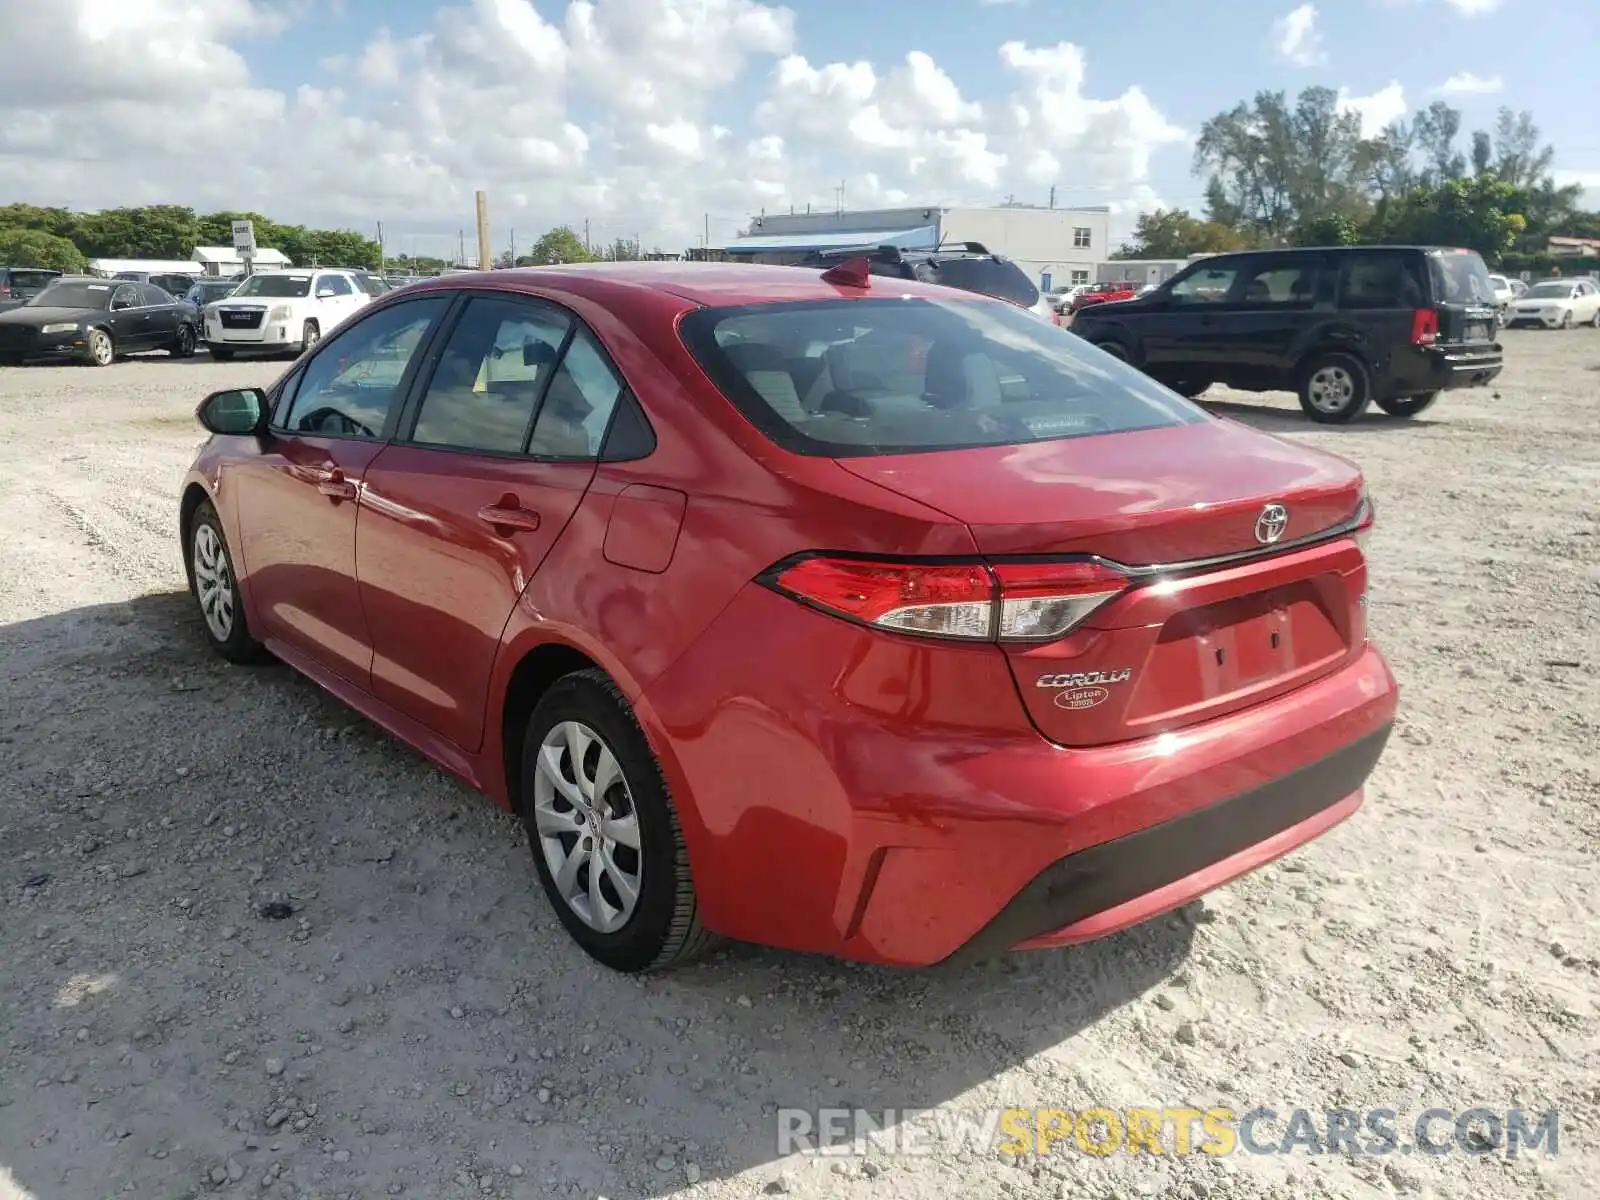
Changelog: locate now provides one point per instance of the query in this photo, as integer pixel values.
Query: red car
(1102, 293)
(879, 620)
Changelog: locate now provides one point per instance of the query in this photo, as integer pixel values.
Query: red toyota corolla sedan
(825, 611)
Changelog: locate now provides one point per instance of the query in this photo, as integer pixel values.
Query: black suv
(19, 284)
(1342, 326)
(968, 266)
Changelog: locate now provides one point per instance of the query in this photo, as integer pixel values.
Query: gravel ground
(419, 1024)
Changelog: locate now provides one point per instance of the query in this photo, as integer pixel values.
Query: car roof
(702, 284)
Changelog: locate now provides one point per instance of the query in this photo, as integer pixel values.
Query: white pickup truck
(282, 311)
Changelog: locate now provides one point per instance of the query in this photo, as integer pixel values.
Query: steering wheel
(333, 420)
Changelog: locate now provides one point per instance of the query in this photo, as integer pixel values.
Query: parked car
(865, 618)
(1506, 289)
(968, 266)
(1557, 304)
(174, 284)
(1102, 293)
(19, 284)
(1342, 327)
(97, 321)
(204, 291)
(281, 311)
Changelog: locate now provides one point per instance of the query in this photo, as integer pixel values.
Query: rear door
(494, 454)
(1259, 331)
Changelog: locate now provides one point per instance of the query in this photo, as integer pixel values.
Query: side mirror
(236, 412)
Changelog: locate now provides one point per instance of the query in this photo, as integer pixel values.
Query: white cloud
(1589, 181)
(1297, 38)
(1467, 84)
(1383, 107)
(1474, 8)
(629, 113)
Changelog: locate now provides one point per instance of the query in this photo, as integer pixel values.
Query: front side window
(337, 284)
(126, 296)
(489, 379)
(867, 377)
(348, 388)
(1208, 285)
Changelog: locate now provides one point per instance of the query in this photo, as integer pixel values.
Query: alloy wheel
(587, 826)
(1332, 389)
(213, 582)
(101, 349)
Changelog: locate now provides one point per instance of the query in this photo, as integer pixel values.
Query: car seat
(960, 377)
(767, 372)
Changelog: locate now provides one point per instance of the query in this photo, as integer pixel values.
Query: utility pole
(381, 259)
(706, 242)
(1052, 195)
(586, 246)
(461, 247)
(485, 254)
(513, 247)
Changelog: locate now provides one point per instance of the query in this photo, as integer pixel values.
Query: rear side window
(1460, 277)
(1280, 282)
(867, 377)
(1380, 280)
(985, 276)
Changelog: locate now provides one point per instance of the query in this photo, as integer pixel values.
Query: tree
(1436, 129)
(621, 250)
(1271, 167)
(37, 248)
(1177, 234)
(1519, 158)
(1335, 229)
(560, 245)
(1476, 214)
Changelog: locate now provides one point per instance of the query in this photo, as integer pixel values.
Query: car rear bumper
(1416, 369)
(880, 800)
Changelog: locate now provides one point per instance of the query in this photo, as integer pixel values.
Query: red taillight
(1011, 602)
(1424, 327)
(5, 292)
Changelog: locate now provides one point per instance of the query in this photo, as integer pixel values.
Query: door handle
(509, 517)
(336, 487)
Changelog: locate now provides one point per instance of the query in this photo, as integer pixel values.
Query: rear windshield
(848, 378)
(31, 281)
(274, 285)
(73, 295)
(986, 276)
(1461, 277)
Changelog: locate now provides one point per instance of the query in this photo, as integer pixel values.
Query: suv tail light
(1009, 602)
(1424, 327)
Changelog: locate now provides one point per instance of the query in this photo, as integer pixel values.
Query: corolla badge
(1274, 519)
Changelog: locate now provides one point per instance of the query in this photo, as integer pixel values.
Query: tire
(1566, 319)
(1334, 388)
(1596, 321)
(184, 346)
(220, 353)
(1114, 349)
(1407, 406)
(310, 335)
(208, 561)
(662, 927)
(102, 351)
(1190, 389)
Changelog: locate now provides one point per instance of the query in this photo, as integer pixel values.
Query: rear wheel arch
(535, 673)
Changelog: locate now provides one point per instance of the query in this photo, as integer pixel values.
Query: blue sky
(1191, 63)
(646, 117)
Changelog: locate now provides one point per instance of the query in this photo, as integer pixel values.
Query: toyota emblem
(1274, 519)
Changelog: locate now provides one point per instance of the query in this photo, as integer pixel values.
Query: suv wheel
(1334, 388)
(1191, 389)
(310, 335)
(1114, 349)
(604, 833)
(1407, 406)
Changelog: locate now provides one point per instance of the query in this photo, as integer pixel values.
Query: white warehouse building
(1056, 247)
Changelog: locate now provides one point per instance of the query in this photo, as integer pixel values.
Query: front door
(131, 319)
(492, 460)
(1260, 333)
(297, 502)
(1180, 329)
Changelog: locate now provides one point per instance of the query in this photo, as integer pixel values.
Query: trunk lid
(1465, 298)
(1178, 646)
